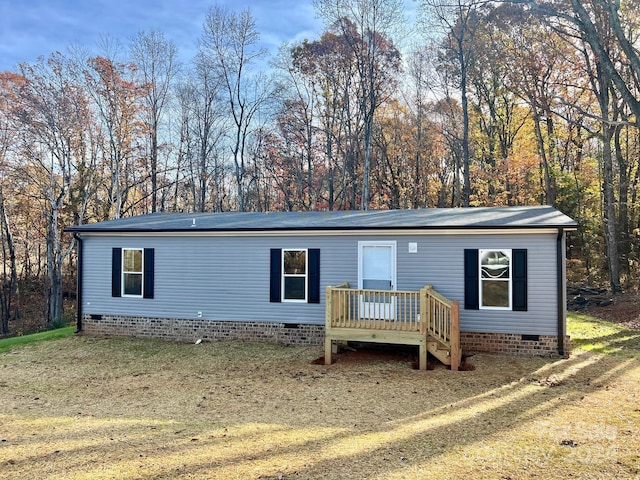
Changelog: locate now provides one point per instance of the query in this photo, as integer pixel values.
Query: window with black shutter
(294, 275)
(495, 279)
(132, 272)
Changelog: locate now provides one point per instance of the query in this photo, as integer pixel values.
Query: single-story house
(266, 276)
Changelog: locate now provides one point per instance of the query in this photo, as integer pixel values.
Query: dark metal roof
(427, 219)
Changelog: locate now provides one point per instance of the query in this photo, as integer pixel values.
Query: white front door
(377, 271)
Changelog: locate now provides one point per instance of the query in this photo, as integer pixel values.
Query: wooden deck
(424, 318)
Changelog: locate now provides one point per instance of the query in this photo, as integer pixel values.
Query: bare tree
(229, 45)
(9, 273)
(297, 121)
(155, 58)
(52, 111)
(457, 21)
(368, 26)
(201, 131)
(418, 90)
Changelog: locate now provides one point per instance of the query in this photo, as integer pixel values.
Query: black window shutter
(116, 272)
(519, 293)
(471, 280)
(149, 259)
(275, 275)
(313, 288)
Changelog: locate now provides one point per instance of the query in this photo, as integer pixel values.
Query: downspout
(560, 292)
(79, 285)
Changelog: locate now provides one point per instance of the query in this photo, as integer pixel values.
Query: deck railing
(374, 309)
(425, 312)
(443, 319)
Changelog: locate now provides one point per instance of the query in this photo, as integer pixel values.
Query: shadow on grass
(394, 446)
(599, 336)
(464, 409)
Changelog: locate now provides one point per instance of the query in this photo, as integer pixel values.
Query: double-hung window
(294, 275)
(495, 278)
(132, 272)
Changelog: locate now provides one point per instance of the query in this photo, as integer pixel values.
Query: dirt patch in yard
(358, 353)
(123, 408)
(625, 310)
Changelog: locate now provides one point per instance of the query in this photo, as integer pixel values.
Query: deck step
(442, 355)
(440, 351)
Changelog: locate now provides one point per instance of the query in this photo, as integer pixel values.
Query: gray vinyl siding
(227, 278)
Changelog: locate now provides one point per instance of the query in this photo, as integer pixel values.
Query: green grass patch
(599, 336)
(10, 343)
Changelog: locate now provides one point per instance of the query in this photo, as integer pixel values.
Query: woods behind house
(473, 103)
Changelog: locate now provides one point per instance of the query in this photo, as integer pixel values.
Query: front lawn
(7, 344)
(83, 407)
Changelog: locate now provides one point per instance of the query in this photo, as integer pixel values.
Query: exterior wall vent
(531, 338)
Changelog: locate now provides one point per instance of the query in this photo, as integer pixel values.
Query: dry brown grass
(120, 408)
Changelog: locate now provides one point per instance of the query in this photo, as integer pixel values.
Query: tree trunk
(154, 167)
(369, 113)
(466, 191)
(10, 281)
(609, 213)
(54, 271)
(546, 171)
(609, 221)
(419, 194)
(624, 227)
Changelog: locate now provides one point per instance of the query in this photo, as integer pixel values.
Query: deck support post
(422, 349)
(424, 321)
(327, 326)
(327, 350)
(456, 353)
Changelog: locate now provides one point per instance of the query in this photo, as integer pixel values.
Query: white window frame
(285, 275)
(509, 280)
(123, 272)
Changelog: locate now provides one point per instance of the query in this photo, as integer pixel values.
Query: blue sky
(31, 28)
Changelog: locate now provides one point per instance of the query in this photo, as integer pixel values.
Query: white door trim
(384, 310)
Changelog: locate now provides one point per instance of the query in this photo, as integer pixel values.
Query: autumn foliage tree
(9, 272)
(118, 103)
(365, 27)
(51, 112)
(604, 32)
(520, 102)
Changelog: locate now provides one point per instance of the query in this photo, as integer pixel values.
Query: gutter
(78, 238)
(560, 292)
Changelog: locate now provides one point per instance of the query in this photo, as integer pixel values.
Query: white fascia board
(327, 233)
